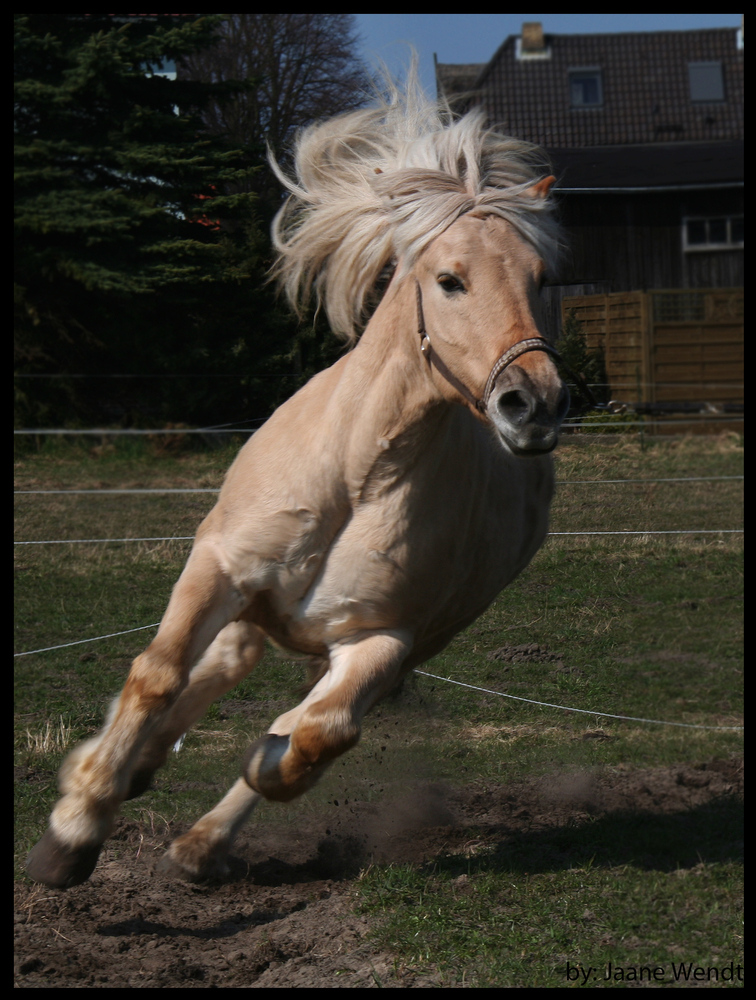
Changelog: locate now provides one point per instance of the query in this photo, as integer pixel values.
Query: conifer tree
(133, 229)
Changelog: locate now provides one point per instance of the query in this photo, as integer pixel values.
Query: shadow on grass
(709, 833)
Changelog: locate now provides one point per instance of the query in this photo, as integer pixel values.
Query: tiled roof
(645, 89)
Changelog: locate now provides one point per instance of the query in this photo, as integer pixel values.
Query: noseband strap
(521, 347)
(481, 405)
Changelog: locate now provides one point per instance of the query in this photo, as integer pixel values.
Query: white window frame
(728, 244)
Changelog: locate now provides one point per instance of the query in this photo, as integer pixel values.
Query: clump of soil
(529, 652)
(288, 915)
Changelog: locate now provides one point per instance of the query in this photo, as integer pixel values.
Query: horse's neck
(389, 412)
(390, 372)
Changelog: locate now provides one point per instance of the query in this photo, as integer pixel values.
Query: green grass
(490, 923)
(643, 625)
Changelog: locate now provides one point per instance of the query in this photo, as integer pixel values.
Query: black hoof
(140, 782)
(58, 866)
(260, 765)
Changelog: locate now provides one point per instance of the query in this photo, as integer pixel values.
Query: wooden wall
(634, 241)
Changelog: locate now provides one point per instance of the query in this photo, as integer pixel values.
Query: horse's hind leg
(97, 776)
(231, 656)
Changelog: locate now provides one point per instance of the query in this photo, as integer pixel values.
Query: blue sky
(474, 38)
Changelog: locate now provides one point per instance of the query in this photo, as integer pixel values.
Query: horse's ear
(542, 188)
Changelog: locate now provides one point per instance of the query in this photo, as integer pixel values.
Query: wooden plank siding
(635, 241)
(668, 345)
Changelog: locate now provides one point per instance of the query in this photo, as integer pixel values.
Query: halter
(514, 352)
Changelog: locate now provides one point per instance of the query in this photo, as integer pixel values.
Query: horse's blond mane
(375, 187)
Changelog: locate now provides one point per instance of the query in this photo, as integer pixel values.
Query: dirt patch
(529, 652)
(289, 914)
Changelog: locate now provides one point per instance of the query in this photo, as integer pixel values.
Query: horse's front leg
(302, 743)
(299, 746)
(97, 776)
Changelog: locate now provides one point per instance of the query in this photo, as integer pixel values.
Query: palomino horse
(383, 507)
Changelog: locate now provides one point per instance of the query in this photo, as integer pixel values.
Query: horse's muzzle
(526, 415)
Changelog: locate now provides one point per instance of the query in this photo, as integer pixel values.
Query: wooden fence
(677, 346)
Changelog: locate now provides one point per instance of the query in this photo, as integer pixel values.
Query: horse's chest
(415, 557)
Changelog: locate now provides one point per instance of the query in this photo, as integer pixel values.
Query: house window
(585, 88)
(706, 81)
(721, 232)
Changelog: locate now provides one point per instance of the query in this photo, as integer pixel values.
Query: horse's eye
(450, 284)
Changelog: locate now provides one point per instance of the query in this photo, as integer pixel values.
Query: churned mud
(289, 913)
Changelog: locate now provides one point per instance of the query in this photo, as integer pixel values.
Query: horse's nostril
(516, 407)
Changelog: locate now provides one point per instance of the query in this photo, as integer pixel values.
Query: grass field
(643, 625)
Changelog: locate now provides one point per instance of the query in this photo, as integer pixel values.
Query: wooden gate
(668, 347)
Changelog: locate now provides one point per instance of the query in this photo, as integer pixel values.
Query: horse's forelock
(380, 184)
